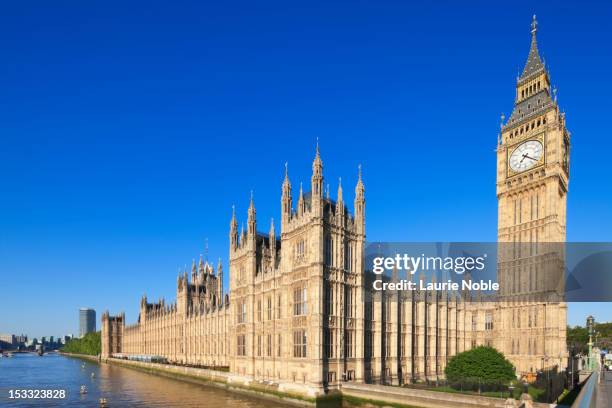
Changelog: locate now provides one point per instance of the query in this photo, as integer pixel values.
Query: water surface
(122, 387)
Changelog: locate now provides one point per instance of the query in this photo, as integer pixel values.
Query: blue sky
(128, 130)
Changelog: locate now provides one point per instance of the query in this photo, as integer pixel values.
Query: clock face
(526, 156)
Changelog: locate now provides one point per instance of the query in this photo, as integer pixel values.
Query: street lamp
(591, 330)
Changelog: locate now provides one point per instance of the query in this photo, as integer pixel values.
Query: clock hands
(526, 156)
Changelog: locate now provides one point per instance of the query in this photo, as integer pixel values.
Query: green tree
(478, 367)
(578, 337)
(89, 344)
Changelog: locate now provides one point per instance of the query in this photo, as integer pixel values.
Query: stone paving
(604, 391)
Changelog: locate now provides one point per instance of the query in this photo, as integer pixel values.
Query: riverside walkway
(604, 391)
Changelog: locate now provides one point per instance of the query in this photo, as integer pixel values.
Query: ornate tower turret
(220, 281)
(340, 203)
(360, 204)
(182, 293)
(286, 200)
(317, 184)
(233, 231)
(194, 272)
(300, 205)
(272, 238)
(143, 308)
(201, 270)
(251, 220)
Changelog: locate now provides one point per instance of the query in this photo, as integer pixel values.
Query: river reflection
(122, 387)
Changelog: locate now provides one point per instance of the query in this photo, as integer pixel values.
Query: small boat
(103, 403)
(83, 389)
(93, 375)
(9, 354)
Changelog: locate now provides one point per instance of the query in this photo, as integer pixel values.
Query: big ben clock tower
(532, 185)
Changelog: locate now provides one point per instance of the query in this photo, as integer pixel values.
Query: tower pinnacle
(317, 175)
(534, 63)
(286, 200)
(252, 229)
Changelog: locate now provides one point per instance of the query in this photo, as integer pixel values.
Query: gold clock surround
(539, 138)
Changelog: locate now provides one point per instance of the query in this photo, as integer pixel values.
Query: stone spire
(220, 281)
(286, 182)
(300, 205)
(272, 238)
(359, 189)
(534, 63)
(194, 271)
(286, 200)
(233, 230)
(340, 204)
(201, 270)
(317, 174)
(251, 220)
(360, 203)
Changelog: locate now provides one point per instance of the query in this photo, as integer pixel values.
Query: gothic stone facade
(532, 185)
(296, 314)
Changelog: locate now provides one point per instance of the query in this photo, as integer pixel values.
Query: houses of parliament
(296, 313)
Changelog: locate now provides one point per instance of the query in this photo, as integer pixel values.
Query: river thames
(122, 387)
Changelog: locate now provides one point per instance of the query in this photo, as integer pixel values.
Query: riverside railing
(587, 397)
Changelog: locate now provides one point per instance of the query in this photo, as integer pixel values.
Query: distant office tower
(87, 320)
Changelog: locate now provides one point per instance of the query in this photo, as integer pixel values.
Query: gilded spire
(339, 189)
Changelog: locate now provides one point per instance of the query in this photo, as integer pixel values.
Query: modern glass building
(87, 321)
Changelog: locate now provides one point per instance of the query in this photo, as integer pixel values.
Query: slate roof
(534, 63)
(538, 102)
(532, 106)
